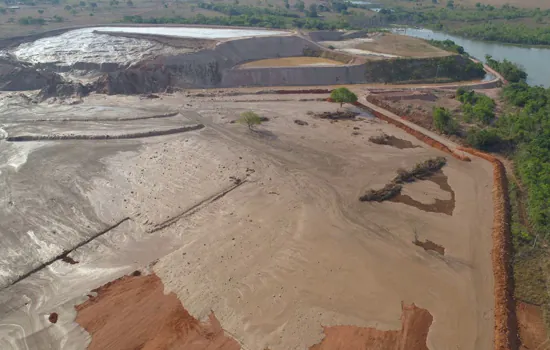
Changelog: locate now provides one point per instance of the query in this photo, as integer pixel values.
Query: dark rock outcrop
(64, 89)
(16, 76)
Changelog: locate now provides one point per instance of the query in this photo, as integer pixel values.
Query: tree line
(265, 21)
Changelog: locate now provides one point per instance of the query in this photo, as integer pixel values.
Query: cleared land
(262, 228)
(292, 62)
(401, 45)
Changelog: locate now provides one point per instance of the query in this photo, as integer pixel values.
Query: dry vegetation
(420, 171)
(401, 45)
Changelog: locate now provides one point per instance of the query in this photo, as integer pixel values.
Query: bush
(443, 121)
(484, 139)
(476, 106)
(251, 119)
(389, 191)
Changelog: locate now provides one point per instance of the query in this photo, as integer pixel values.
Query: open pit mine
(137, 212)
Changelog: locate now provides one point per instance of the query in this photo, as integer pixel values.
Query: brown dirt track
(134, 313)
(506, 326)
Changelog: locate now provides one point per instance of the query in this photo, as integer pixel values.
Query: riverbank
(532, 59)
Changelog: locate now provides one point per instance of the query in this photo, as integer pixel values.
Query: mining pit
(137, 213)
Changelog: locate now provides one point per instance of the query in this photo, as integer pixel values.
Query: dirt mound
(16, 76)
(415, 324)
(390, 140)
(134, 313)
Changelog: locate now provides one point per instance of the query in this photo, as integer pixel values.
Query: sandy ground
(276, 256)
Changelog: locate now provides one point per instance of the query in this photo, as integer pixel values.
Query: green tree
(343, 95)
(300, 5)
(251, 119)
(443, 121)
(40, 11)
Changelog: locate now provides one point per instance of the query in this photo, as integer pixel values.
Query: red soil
(133, 313)
(415, 324)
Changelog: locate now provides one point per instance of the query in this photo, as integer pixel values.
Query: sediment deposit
(261, 228)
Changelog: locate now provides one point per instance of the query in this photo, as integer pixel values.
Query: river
(535, 60)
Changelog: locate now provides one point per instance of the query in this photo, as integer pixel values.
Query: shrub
(251, 119)
(443, 121)
(483, 139)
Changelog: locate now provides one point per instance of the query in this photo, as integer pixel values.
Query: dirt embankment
(134, 313)
(135, 135)
(415, 324)
(506, 327)
(420, 136)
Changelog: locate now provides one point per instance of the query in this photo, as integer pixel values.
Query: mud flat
(257, 238)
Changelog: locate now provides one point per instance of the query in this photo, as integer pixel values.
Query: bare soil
(532, 330)
(415, 324)
(134, 313)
